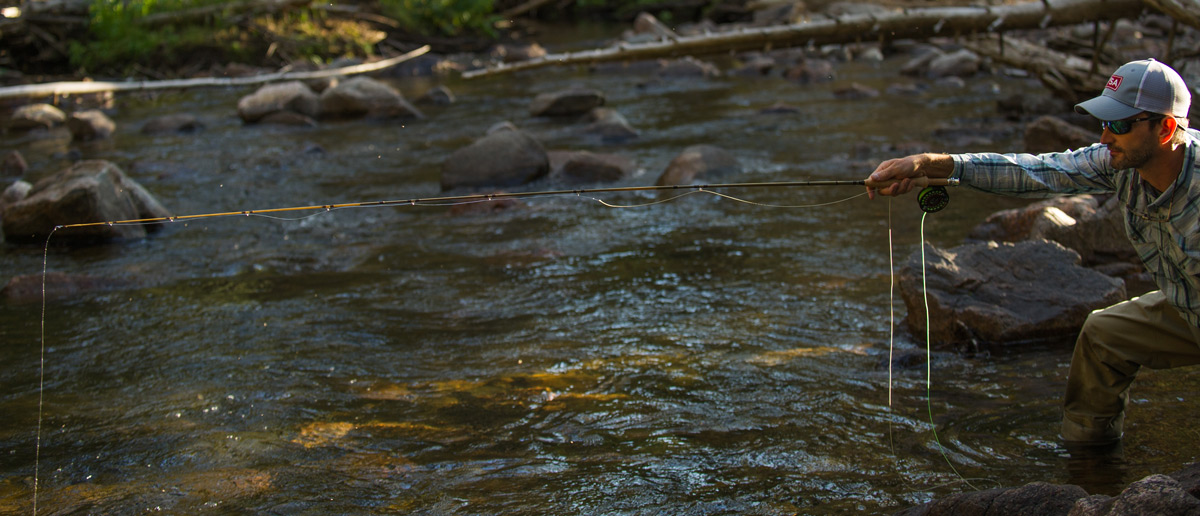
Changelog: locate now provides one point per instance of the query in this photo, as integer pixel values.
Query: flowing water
(701, 356)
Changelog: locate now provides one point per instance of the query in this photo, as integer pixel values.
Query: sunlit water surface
(701, 356)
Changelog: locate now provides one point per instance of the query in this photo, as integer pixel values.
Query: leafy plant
(443, 17)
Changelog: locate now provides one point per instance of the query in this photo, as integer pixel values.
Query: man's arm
(902, 170)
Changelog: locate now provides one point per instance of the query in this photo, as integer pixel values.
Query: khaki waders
(1113, 344)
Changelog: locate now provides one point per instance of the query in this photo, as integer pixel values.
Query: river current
(699, 356)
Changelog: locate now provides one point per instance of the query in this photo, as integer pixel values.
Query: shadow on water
(700, 356)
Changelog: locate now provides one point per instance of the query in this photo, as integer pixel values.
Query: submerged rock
(1038, 498)
(177, 123)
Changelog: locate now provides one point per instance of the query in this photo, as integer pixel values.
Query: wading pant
(1114, 343)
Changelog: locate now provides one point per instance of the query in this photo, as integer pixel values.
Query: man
(1150, 160)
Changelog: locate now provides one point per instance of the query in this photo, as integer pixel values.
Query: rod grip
(919, 182)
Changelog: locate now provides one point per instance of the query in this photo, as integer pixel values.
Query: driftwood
(1066, 76)
(75, 88)
(909, 23)
(1185, 11)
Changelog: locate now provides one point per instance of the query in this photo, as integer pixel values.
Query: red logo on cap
(1114, 82)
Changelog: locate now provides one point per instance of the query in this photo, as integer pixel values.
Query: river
(701, 356)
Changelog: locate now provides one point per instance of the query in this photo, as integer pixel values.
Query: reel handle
(919, 182)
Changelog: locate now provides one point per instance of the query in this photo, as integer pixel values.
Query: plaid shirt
(1163, 227)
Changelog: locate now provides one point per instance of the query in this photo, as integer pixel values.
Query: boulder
(646, 23)
(1053, 134)
(501, 159)
(588, 167)
(608, 125)
(811, 70)
(293, 96)
(1081, 223)
(438, 95)
(88, 191)
(177, 123)
(91, 124)
(686, 68)
(1038, 498)
(364, 96)
(998, 293)
(1160, 495)
(36, 116)
(962, 63)
(570, 102)
(699, 162)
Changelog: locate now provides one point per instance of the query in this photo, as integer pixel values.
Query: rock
(608, 125)
(364, 96)
(1020, 105)
(855, 91)
(962, 63)
(36, 116)
(588, 167)
(1160, 495)
(485, 208)
(88, 191)
(510, 53)
(292, 96)
(756, 65)
(12, 195)
(997, 293)
(1038, 498)
(177, 123)
(1080, 222)
(570, 102)
(686, 68)
(500, 159)
(699, 162)
(1053, 134)
(91, 124)
(918, 65)
(439, 95)
(1189, 478)
(13, 165)
(646, 23)
(811, 70)
(501, 126)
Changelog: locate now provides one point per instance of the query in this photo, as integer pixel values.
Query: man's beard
(1129, 158)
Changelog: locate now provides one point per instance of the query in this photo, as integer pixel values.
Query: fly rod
(932, 198)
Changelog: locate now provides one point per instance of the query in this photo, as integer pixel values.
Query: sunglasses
(1124, 126)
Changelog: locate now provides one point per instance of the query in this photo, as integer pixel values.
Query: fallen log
(1186, 11)
(81, 87)
(1066, 76)
(907, 23)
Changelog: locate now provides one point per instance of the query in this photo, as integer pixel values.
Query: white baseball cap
(1138, 86)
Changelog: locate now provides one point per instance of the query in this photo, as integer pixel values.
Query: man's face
(1132, 149)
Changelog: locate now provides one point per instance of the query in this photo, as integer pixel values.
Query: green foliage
(443, 17)
(116, 34)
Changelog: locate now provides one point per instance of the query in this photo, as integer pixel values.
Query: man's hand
(903, 170)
